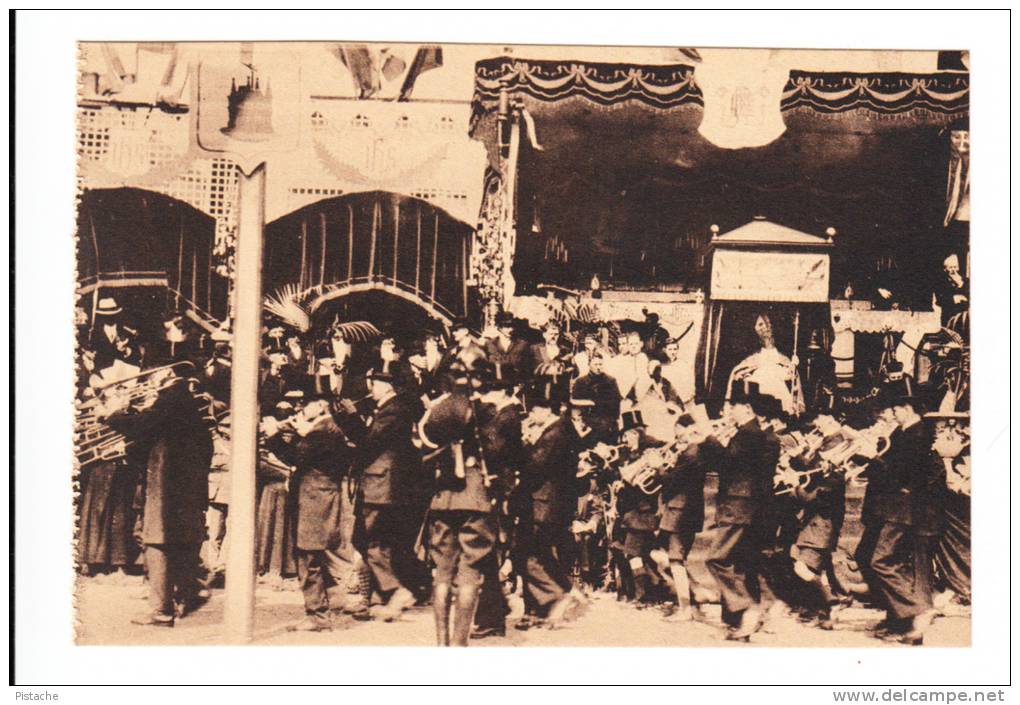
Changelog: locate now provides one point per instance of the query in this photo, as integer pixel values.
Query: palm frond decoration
(356, 331)
(586, 313)
(285, 304)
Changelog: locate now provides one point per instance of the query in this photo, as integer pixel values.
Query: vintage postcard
(483, 345)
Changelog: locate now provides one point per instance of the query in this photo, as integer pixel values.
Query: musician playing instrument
(638, 512)
(746, 466)
(319, 450)
(902, 508)
(820, 498)
(392, 494)
(683, 510)
(112, 339)
(548, 502)
(166, 419)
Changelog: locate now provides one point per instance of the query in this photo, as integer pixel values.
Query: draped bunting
(655, 86)
(923, 98)
(626, 187)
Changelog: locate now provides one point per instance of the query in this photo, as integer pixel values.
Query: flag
(426, 58)
(358, 59)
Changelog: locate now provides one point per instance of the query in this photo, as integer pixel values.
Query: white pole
(239, 607)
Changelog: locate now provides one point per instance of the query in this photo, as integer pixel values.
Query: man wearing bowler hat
(389, 509)
(746, 467)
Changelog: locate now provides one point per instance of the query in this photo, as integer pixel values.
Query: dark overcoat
(390, 465)
(176, 478)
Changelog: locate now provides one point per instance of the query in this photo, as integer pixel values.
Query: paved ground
(105, 610)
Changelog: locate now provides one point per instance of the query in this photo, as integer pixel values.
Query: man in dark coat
(901, 510)
(392, 489)
(602, 389)
(175, 486)
(548, 488)
(471, 447)
(638, 512)
(683, 513)
(746, 467)
(319, 451)
(551, 363)
(508, 349)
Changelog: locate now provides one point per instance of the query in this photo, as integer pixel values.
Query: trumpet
(107, 447)
(598, 457)
(96, 440)
(870, 443)
(143, 384)
(642, 474)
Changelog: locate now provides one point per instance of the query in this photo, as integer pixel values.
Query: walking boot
(441, 608)
(464, 614)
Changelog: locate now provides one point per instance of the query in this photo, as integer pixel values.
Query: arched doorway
(153, 252)
(389, 258)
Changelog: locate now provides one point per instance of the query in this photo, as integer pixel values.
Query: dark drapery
(132, 237)
(626, 187)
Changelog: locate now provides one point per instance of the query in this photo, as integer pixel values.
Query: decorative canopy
(765, 261)
(624, 186)
(135, 238)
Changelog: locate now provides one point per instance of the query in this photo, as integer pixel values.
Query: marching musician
(822, 504)
(472, 437)
(900, 515)
(639, 515)
(746, 466)
(318, 452)
(548, 490)
(683, 512)
(168, 422)
(390, 510)
(111, 338)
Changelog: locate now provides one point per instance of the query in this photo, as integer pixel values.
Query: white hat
(107, 307)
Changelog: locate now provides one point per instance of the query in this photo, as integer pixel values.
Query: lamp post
(239, 606)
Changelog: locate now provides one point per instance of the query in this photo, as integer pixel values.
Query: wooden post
(239, 603)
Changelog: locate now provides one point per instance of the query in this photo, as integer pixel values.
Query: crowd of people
(458, 470)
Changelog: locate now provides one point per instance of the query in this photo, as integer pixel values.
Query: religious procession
(504, 340)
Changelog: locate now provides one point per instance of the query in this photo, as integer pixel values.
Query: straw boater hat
(108, 307)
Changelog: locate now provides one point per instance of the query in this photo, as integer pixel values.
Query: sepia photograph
(512, 344)
(538, 340)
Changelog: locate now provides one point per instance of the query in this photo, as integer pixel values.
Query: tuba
(96, 441)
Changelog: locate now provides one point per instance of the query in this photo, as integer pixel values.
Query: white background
(45, 100)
